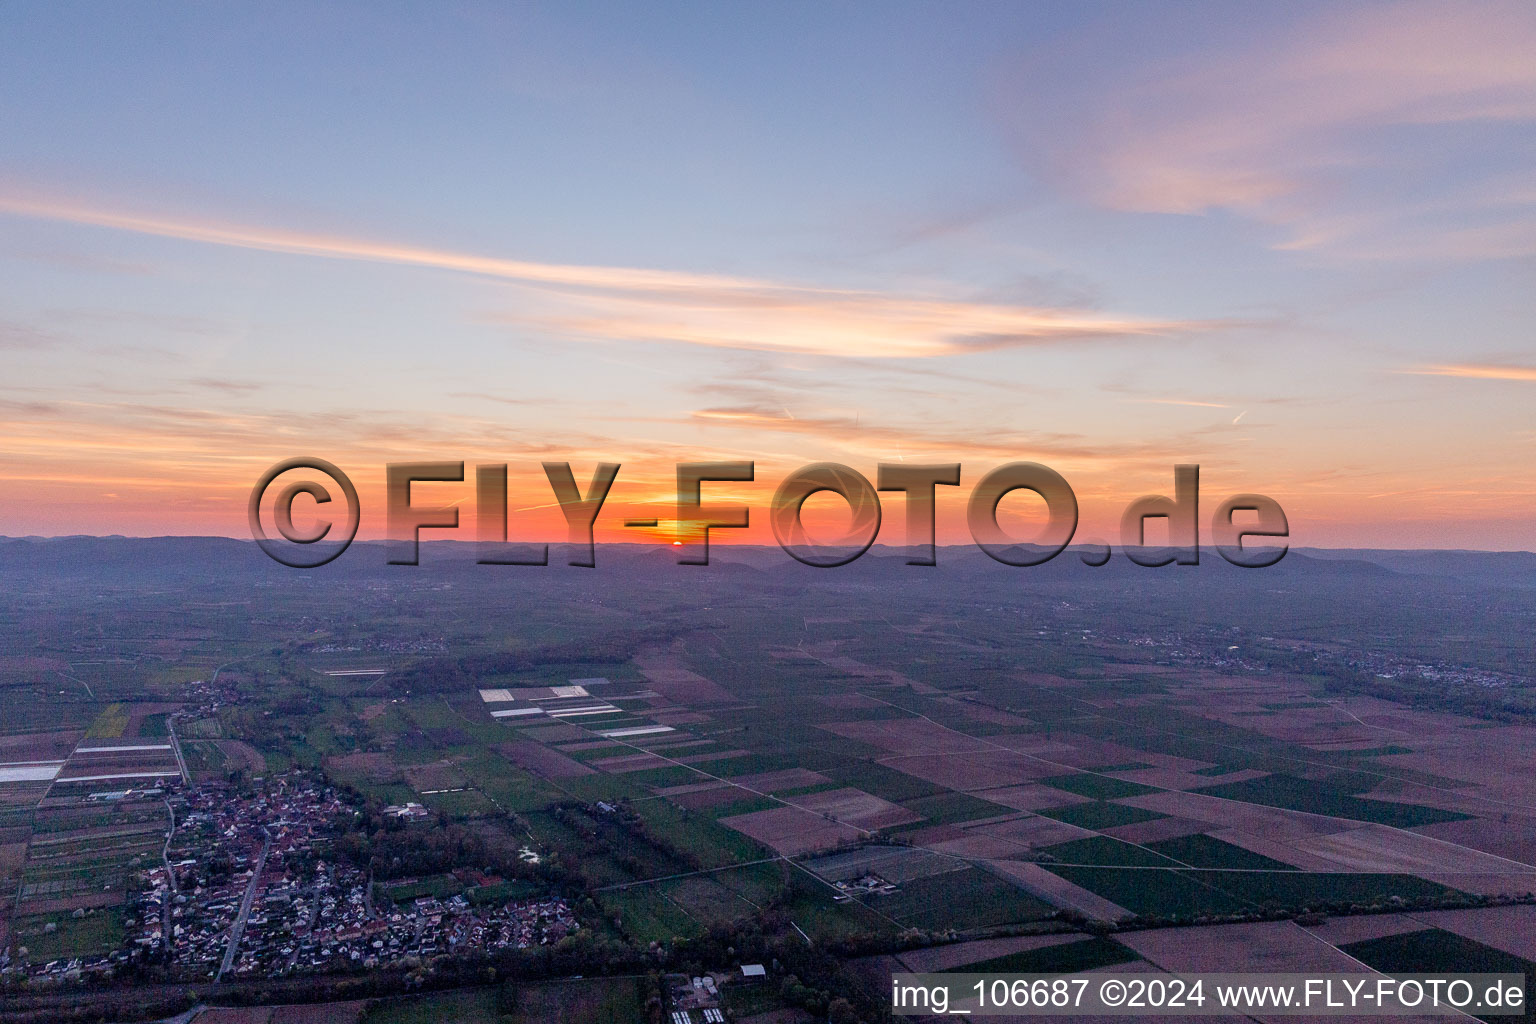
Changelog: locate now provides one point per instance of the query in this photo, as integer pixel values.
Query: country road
(237, 929)
(181, 762)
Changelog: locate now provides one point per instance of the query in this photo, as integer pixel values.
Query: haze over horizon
(1292, 244)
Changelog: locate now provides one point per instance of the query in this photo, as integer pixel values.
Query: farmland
(1434, 949)
(1067, 958)
(773, 774)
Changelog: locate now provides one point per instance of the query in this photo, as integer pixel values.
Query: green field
(510, 787)
(1066, 958)
(469, 803)
(746, 764)
(587, 1001)
(758, 883)
(1320, 798)
(672, 775)
(474, 1006)
(746, 805)
(99, 932)
(1106, 852)
(1297, 889)
(645, 914)
(952, 807)
(749, 1000)
(440, 886)
(1098, 787)
(698, 834)
(599, 786)
(809, 905)
(1203, 851)
(707, 900)
(1150, 892)
(1434, 949)
(1100, 815)
(966, 899)
(1184, 893)
(886, 783)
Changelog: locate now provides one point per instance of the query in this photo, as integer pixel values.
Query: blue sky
(1293, 243)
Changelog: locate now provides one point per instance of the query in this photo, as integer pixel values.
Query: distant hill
(151, 556)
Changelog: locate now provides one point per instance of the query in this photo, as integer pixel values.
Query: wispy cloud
(852, 434)
(519, 402)
(865, 325)
(302, 243)
(1334, 127)
(158, 323)
(19, 337)
(1179, 401)
(639, 304)
(227, 386)
(1476, 371)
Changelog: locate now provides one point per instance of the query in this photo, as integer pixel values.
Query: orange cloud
(1180, 401)
(884, 442)
(638, 304)
(1477, 372)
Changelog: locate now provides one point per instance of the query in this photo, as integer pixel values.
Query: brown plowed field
(857, 808)
(791, 831)
(541, 760)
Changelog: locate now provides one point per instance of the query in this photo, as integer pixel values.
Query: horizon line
(745, 545)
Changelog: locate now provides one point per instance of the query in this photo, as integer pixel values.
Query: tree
(841, 1011)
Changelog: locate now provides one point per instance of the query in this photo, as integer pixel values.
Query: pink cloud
(1312, 128)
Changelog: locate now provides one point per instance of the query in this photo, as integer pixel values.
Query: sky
(1292, 243)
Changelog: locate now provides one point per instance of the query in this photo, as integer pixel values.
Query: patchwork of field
(1439, 949)
(857, 808)
(791, 830)
(734, 767)
(29, 762)
(892, 863)
(1488, 939)
(1060, 891)
(1279, 945)
(1509, 928)
(1136, 803)
(80, 815)
(959, 956)
(87, 857)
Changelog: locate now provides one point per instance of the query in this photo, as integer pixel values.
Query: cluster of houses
(329, 921)
(247, 885)
(248, 889)
(231, 858)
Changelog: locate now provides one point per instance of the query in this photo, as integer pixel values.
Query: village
(246, 886)
(246, 889)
